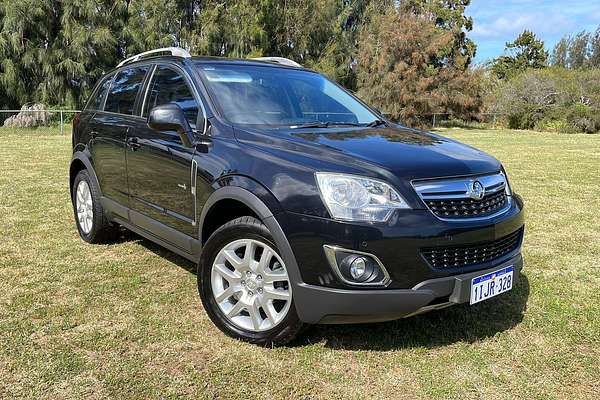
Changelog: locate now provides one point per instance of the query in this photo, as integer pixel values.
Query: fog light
(358, 268)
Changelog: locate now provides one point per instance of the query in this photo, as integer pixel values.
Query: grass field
(124, 320)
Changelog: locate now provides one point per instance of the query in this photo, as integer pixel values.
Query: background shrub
(554, 99)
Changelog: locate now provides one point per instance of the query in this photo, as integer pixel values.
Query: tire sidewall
(219, 239)
(96, 206)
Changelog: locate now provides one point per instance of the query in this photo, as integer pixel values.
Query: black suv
(299, 203)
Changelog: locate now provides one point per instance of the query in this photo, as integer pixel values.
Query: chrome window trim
(330, 255)
(456, 188)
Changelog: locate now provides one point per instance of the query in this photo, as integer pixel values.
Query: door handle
(133, 143)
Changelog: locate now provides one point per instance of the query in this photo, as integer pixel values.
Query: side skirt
(144, 233)
(152, 230)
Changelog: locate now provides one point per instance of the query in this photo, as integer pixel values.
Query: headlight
(353, 198)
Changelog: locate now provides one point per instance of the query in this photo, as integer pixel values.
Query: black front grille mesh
(473, 254)
(468, 208)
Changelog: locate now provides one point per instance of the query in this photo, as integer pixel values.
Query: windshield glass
(254, 95)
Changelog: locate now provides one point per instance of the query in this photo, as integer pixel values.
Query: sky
(501, 21)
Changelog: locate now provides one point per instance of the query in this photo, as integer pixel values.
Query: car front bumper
(398, 244)
(324, 305)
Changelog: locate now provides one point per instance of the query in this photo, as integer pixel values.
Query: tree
(53, 51)
(449, 15)
(527, 51)
(560, 54)
(595, 49)
(578, 50)
(399, 73)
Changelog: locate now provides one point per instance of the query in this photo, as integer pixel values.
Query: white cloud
(542, 25)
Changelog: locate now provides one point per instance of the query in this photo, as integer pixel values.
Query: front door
(159, 166)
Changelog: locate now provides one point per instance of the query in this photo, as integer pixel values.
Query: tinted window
(96, 102)
(121, 98)
(168, 86)
(252, 95)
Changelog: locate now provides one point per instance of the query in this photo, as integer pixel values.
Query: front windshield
(255, 95)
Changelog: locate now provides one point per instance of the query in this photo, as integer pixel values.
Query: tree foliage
(527, 51)
(581, 50)
(400, 70)
(449, 15)
(53, 51)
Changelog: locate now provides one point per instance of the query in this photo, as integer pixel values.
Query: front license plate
(489, 285)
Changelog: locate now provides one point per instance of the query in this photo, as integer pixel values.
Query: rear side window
(96, 102)
(169, 86)
(123, 92)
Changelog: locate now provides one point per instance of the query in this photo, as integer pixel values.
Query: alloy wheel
(84, 205)
(250, 284)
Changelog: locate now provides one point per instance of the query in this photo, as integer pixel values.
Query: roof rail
(279, 60)
(175, 51)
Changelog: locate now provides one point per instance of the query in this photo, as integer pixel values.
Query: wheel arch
(230, 196)
(266, 214)
(79, 162)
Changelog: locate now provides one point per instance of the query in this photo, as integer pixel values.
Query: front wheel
(244, 284)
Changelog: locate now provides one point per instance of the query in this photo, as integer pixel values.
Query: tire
(94, 227)
(261, 308)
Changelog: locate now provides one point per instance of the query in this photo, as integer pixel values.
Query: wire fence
(58, 122)
(487, 120)
(37, 120)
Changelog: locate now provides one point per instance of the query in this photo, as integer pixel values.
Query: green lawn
(124, 320)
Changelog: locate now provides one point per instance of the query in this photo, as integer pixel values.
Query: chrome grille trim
(453, 194)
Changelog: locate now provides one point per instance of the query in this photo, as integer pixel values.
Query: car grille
(468, 208)
(453, 198)
(472, 254)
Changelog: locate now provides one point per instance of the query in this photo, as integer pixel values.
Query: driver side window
(169, 87)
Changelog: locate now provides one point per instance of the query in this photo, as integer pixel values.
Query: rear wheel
(90, 218)
(244, 284)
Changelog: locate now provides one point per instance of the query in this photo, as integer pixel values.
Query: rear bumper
(319, 304)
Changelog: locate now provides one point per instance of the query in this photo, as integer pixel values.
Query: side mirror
(170, 117)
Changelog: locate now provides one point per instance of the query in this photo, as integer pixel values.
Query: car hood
(407, 153)
(404, 152)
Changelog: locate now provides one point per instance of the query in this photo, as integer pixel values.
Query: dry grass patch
(124, 320)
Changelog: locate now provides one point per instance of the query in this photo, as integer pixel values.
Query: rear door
(108, 130)
(159, 166)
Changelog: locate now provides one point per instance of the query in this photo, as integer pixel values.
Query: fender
(267, 216)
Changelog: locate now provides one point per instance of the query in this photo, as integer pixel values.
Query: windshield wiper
(377, 122)
(316, 124)
(320, 124)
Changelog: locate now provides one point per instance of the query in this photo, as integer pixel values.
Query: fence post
(62, 126)
(433, 120)
(494, 123)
